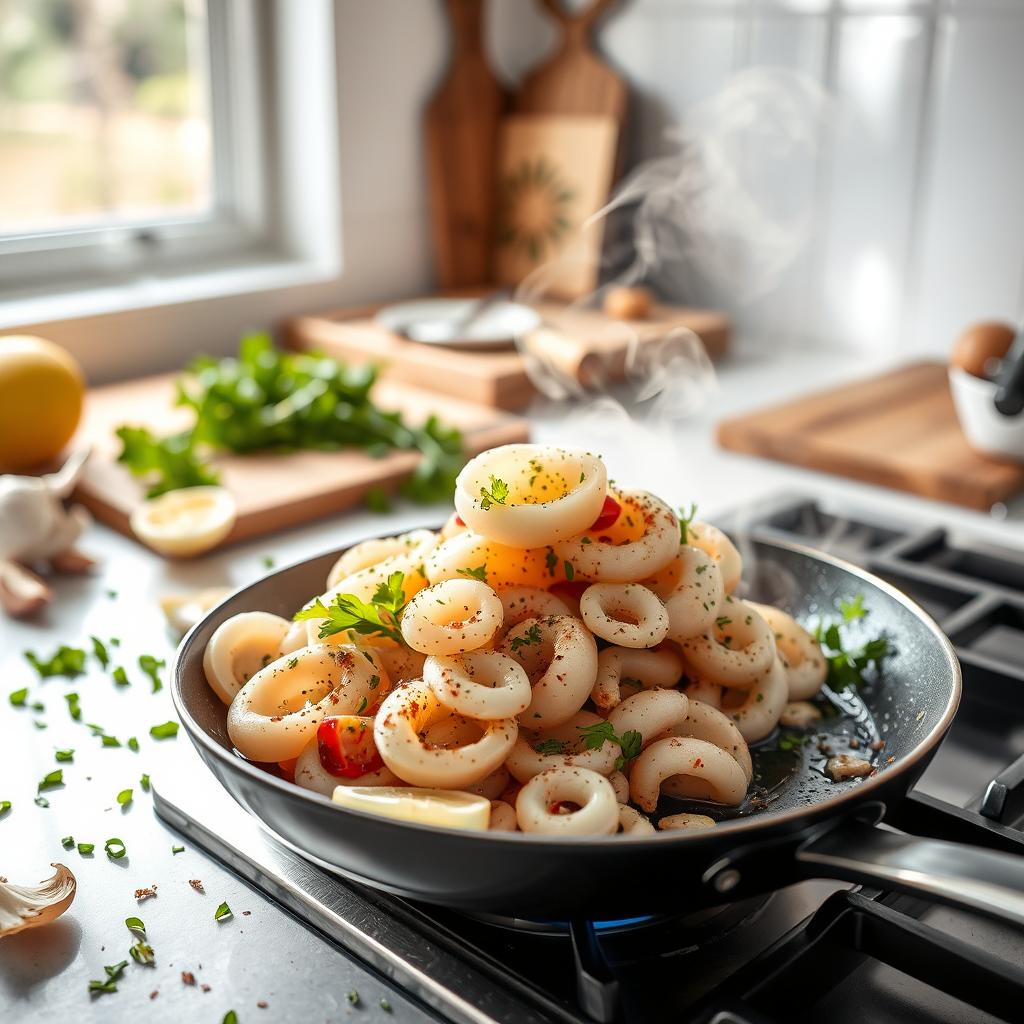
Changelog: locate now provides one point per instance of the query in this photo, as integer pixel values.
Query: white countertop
(269, 956)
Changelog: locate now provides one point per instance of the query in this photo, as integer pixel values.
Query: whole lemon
(41, 389)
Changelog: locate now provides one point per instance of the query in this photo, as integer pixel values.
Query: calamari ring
(633, 823)
(415, 546)
(400, 662)
(626, 614)
(311, 774)
(240, 647)
(274, 716)
(691, 587)
(704, 722)
(295, 638)
(553, 493)
(800, 653)
(736, 651)
(765, 701)
(452, 526)
(503, 566)
(562, 666)
(650, 713)
(409, 711)
(686, 822)
(699, 759)
(525, 761)
(705, 692)
(598, 813)
(451, 617)
(621, 786)
(522, 603)
(492, 786)
(480, 684)
(615, 665)
(503, 817)
(595, 559)
(717, 545)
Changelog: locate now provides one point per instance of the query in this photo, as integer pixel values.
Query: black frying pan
(811, 827)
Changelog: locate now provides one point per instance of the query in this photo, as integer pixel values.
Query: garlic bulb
(25, 906)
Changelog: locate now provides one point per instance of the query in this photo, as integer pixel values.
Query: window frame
(240, 219)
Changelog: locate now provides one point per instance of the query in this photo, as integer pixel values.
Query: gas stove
(813, 951)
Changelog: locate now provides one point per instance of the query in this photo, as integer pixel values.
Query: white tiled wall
(917, 180)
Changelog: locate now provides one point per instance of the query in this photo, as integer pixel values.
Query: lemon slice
(185, 522)
(448, 808)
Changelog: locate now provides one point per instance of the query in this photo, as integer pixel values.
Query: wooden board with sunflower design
(554, 171)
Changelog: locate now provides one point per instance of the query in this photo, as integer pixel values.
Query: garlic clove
(25, 906)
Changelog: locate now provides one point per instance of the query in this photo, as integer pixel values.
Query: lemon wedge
(185, 522)
(447, 808)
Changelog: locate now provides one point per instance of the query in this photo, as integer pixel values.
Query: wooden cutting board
(574, 79)
(273, 491)
(583, 344)
(898, 430)
(460, 134)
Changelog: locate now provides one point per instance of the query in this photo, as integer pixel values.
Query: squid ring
(540, 804)
(400, 662)
(633, 823)
(705, 692)
(409, 711)
(766, 700)
(650, 668)
(718, 771)
(650, 713)
(480, 684)
(691, 587)
(415, 546)
(451, 617)
(548, 494)
(274, 716)
(717, 545)
(686, 822)
(800, 652)
(492, 786)
(737, 651)
(239, 648)
(560, 657)
(621, 786)
(522, 603)
(311, 774)
(503, 817)
(594, 559)
(560, 747)
(704, 722)
(626, 614)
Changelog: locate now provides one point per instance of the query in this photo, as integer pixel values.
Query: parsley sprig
(531, 636)
(685, 518)
(847, 665)
(596, 735)
(495, 495)
(379, 617)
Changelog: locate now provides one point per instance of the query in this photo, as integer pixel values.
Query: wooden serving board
(273, 492)
(582, 343)
(898, 430)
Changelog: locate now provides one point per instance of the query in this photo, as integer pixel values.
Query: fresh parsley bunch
(379, 617)
(848, 664)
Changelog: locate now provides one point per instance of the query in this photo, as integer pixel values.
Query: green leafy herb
(142, 953)
(221, 912)
(362, 706)
(847, 665)
(51, 780)
(548, 747)
(18, 697)
(685, 518)
(67, 842)
(348, 612)
(596, 735)
(64, 755)
(551, 561)
(113, 973)
(132, 744)
(73, 707)
(353, 997)
(266, 399)
(144, 783)
(478, 572)
(853, 609)
(41, 801)
(38, 724)
(177, 849)
(385, 1005)
(496, 495)
(99, 650)
(722, 621)
(109, 741)
(115, 848)
(570, 571)
(230, 1017)
(165, 731)
(124, 797)
(65, 661)
(112, 594)
(531, 636)
(135, 924)
(5, 806)
(86, 848)
(151, 667)
(120, 676)
(268, 561)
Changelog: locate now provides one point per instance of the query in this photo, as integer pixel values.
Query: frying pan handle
(963, 876)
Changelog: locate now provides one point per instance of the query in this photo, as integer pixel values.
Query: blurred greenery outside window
(105, 114)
